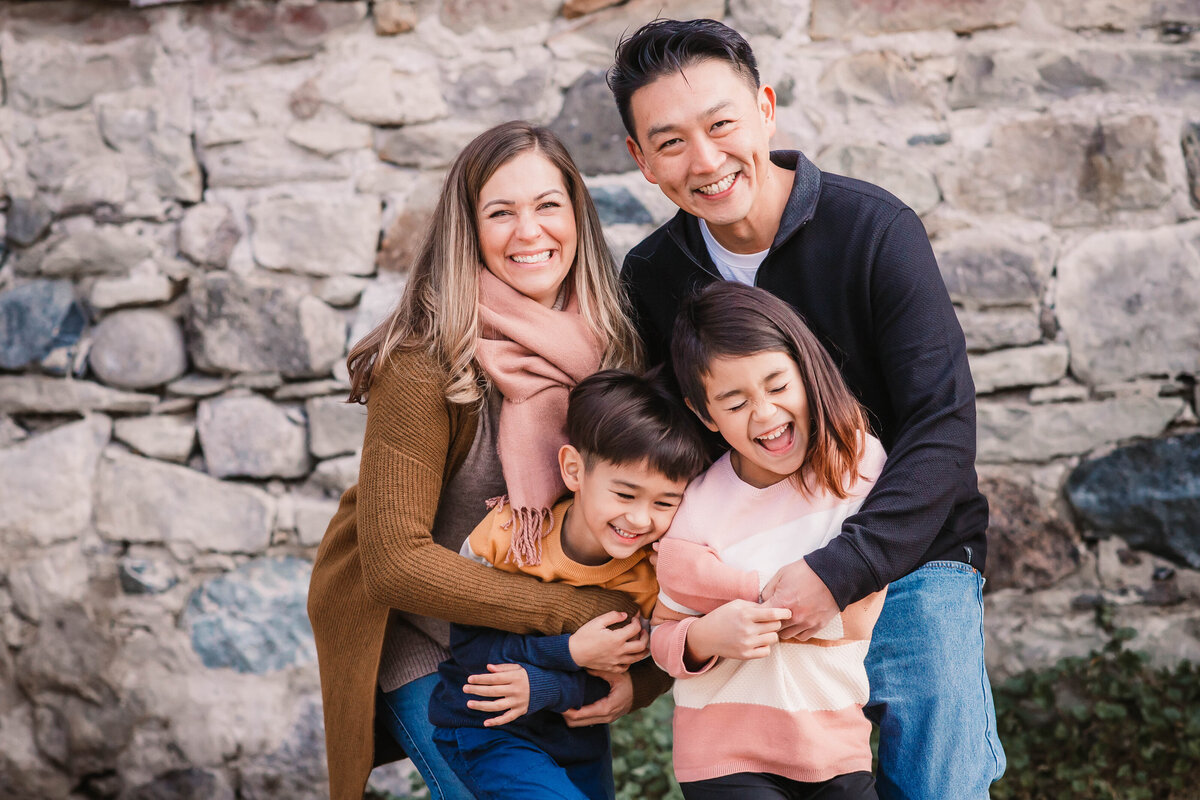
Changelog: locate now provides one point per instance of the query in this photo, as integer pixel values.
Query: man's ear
(635, 150)
(766, 106)
(570, 464)
(708, 423)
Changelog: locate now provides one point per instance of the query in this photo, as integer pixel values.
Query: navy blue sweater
(857, 264)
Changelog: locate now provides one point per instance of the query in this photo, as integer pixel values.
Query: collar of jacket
(684, 228)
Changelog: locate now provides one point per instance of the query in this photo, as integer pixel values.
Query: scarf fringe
(525, 548)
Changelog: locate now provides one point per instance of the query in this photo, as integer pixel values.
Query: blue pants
(498, 765)
(930, 694)
(406, 714)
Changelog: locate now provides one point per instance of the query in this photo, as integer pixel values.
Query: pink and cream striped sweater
(797, 712)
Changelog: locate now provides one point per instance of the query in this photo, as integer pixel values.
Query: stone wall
(203, 204)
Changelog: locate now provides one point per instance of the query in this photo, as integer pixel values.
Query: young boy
(632, 450)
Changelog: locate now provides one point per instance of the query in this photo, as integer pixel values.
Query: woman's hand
(597, 646)
(508, 684)
(739, 629)
(614, 705)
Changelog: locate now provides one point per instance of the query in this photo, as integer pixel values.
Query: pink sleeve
(666, 647)
(694, 575)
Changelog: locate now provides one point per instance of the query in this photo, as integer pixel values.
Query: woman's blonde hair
(438, 312)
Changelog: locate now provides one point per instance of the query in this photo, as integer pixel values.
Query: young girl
(756, 717)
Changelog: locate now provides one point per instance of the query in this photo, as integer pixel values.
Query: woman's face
(527, 229)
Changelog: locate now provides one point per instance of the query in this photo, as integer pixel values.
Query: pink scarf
(533, 355)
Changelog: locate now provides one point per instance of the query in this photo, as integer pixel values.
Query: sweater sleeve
(694, 575)
(555, 681)
(405, 449)
(924, 359)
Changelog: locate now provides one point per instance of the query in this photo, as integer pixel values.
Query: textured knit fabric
(856, 263)
(798, 711)
(414, 645)
(556, 683)
(534, 355)
(378, 554)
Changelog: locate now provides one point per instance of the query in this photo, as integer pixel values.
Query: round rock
(138, 349)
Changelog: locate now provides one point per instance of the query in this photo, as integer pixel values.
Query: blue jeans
(406, 715)
(498, 765)
(930, 694)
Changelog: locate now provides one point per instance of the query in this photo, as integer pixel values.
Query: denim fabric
(930, 694)
(498, 765)
(406, 715)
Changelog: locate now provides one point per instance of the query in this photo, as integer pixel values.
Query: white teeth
(719, 186)
(533, 259)
(775, 434)
(623, 534)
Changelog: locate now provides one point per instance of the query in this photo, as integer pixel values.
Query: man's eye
(738, 407)
(668, 143)
(722, 123)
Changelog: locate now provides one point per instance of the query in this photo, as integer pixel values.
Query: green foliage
(641, 744)
(1104, 727)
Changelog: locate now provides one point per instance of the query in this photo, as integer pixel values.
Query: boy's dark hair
(666, 46)
(727, 319)
(624, 418)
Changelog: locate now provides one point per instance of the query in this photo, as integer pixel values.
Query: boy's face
(758, 404)
(619, 508)
(703, 135)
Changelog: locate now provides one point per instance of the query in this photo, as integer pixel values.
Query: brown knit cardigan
(378, 554)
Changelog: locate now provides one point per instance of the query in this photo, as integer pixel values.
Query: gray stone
(35, 318)
(883, 167)
(616, 205)
(317, 236)
(144, 285)
(24, 771)
(208, 234)
(1127, 15)
(406, 234)
(461, 16)
(1029, 546)
(143, 576)
(1129, 303)
(393, 17)
(378, 300)
(1007, 327)
(328, 137)
(335, 476)
(191, 783)
(104, 250)
(303, 391)
(265, 160)
(381, 92)
(500, 89)
(252, 437)
(1190, 142)
(335, 427)
(1147, 493)
(843, 19)
(1026, 366)
(340, 291)
(138, 349)
(86, 735)
(431, 145)
(143, 500)
(46, 494)
(1066, 393)
(240, 325)
(48, 74)
(168, 437)
(27, 219)
(297, 768)
(259, 381)
(1015, 432)
(37, 394)
(312, 518)
(252, 35)
(1067, 173)
(577, 8)
(986, 270)
(591, 128)
(155, 143)
(10, 432)
(874, 78)
(70, 654)
(590, 39)
(56, 575)
(253, 620)
(198, 386)
(768, 18)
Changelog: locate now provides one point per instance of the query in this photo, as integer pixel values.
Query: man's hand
(617, 703)
(739, 629)
(597, 646)
(508, 684)
(795, 586)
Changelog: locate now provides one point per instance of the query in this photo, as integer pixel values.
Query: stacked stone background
(203, 204)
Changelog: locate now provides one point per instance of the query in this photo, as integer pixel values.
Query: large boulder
(591, 127)
(138, 349)
(316, 236)
(1029, 546)
(249, 436)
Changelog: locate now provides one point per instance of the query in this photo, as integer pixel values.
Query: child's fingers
(489, 678)
(499, 704)
(503, 719)
(769, 613)
(610, 618)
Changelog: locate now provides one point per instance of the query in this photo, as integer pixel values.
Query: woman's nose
(528, 227)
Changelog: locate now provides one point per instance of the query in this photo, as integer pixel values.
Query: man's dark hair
(667, 46)
(623, 418)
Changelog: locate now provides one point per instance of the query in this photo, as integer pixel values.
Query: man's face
(703, 135)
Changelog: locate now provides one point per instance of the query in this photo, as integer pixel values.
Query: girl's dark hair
(730, 320)
(666, 46)
(623, 418)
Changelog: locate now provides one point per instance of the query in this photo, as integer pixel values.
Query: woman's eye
(550, 204)
(778, 389)
(500, 213)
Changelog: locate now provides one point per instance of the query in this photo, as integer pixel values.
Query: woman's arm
(406, 445)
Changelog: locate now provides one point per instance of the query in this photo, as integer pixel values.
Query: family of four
(540, 541)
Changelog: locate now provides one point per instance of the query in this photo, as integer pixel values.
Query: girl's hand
(508, 684)
(614, 705)
(739, 629)
(597, 646)
(797, 587)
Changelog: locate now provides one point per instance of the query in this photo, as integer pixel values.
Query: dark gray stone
(591, 127)
(35, 319)
(1147, 493)
(1191, 157)
(987, 271)
(69, 655)
(192, 783)
(1029, 546)
(617, 205)
(253, 620)
(928, 139)
(297, 769)
(142, 576)
(27, 220)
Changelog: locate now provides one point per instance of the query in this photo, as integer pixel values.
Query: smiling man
(857, 264)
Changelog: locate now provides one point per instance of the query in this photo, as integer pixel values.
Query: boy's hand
(795, 586)
(739, 629)
(508, 684)
(597, 646)
(614, 705)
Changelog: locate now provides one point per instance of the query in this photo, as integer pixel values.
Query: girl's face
(526, 225)
(758, 404)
